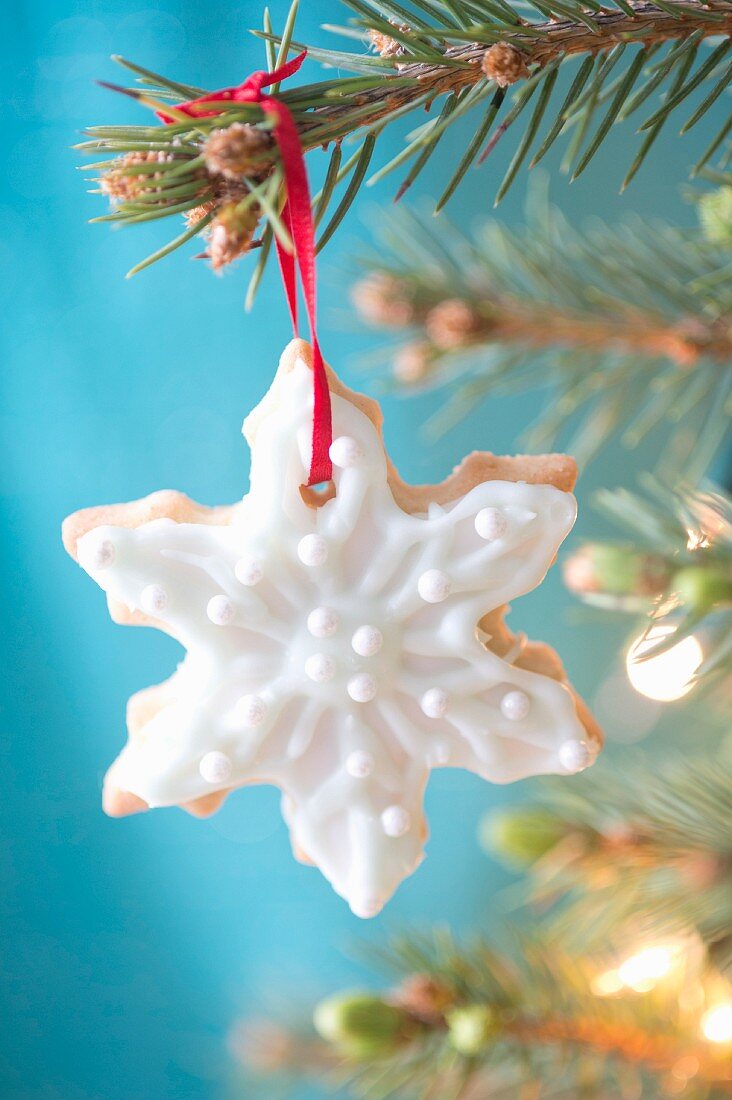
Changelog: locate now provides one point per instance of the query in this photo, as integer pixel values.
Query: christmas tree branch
(484, 1020)
(452, 59)
(647, 852)
(584, 311)
(674, 567)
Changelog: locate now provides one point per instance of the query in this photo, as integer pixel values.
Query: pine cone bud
(382, 299)
(471, 1029)
(237, 151)
(227, 191)
(452, 324)
(700, 588)
(412, 362)
(194, 216)
(384, 44)
(424, 998)
(521, 836)
(119, 180)
(505, 64)
(362, 1024)
(715, 214)
(614, 570)
(231, 234)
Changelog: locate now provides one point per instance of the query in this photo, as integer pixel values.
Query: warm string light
(716, 1023)
(668, 675)
(640, 972)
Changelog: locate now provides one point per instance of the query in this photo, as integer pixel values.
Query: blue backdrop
(130, 947)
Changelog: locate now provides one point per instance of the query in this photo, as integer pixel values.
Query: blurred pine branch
(642, 853)
(628, 324)
(674, 568)
(511, 1020)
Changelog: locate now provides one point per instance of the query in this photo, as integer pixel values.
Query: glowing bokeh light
(716, 1023)
(669, 675)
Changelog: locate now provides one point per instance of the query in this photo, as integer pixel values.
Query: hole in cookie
(315, 496)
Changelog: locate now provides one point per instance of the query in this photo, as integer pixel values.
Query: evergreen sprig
(642, 854)
(675, 566)
(628, 324)
(450, 58)
(490, 1019)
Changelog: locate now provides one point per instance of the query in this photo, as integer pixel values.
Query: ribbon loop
(298, 218)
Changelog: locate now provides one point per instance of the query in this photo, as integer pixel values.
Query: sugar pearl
(434, 586)
(345, 451)
(396, 821)
(360, 764)
(362, 688)
(215, 767)
(312, 550)
(96, 553)
(515, 705)
(491, 524)
(251, 710)
(320, 667)
(248, 571)
(575, 756)
(153, 599)
(323, 622)
(434, 702)
(220, 610)
(367, 641)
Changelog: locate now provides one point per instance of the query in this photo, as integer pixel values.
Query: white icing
(268, 678)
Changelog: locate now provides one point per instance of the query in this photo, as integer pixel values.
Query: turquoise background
(130, 947)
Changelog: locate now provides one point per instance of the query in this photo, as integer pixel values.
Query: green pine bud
(715, 214)
(611, 569)
(520, 835)
(361, 1023)
(700, 588)
(471, 1028)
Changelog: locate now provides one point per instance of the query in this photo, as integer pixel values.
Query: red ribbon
(298, 218)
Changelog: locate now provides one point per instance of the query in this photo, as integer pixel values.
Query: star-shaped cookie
(340, 644)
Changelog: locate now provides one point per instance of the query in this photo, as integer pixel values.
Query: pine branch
(484, 1020)
(452, 58)
(675, 568)
(622, 345)
(646, 853)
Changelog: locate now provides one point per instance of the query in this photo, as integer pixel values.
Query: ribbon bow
(298, 218)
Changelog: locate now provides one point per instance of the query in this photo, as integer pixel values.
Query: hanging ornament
(340, 644)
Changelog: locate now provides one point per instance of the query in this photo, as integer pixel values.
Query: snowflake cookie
(340, 645)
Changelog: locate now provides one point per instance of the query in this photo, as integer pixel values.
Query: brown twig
(648, 24)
